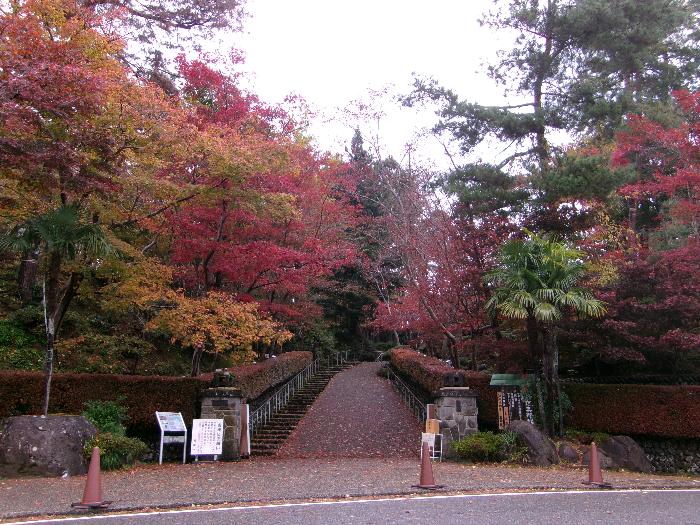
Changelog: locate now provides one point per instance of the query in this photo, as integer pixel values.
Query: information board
(207, 437)
(171, 422)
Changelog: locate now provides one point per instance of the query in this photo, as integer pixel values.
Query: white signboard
(207, 437)
(172, 422)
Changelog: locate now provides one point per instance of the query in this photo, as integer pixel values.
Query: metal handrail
(279, 399)
(414, 403)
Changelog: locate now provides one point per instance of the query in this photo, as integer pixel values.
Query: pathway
(359, 414)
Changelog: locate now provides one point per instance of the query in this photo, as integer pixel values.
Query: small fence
(277, 401)
(412, 401)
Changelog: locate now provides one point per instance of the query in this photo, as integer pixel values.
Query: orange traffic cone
(427, 480)
(595, 476)
(92, 496)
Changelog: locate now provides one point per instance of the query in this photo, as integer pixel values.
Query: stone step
(268, 439)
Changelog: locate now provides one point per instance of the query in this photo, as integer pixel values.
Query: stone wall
(672, 455)
(225, 403)
(457, 411)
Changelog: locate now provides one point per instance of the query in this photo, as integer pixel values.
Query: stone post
(457, 412)
(225, 403)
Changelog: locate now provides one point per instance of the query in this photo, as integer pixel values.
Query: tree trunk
(48, 372)
(196, 362)
(548, 422)
(26, 277)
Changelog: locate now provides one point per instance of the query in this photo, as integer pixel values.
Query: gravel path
(276, 479)
(358, 415)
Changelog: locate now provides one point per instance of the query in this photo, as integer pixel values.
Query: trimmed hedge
(643, 410)
(431, 374)
(650, 410)
(255, 379)
(22, 393)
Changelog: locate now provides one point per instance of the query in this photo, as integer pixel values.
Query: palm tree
(536, 280)
(60, 236)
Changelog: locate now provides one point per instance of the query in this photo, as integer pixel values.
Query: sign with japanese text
(207, 437)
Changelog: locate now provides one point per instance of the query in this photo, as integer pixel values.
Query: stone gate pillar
(457, 412)
(225, 403)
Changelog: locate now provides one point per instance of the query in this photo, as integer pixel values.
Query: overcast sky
(333, 52)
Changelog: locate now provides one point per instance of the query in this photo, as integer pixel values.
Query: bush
(429, 373)
(489, 447)
(107, 416)
(255, 379)
(116, 451)
(652, 410)
(22, 393)
(18, 348)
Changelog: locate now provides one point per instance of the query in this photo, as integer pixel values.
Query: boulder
(44, 446)
(568, 453)
(540, 448)
(603, 458)
(624, 452)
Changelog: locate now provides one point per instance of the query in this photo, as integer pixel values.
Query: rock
(624, 452)
(605, 461)
(568, 453)
(541, 450)
(44, 446)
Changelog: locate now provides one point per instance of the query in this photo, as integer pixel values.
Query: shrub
(255, 379)
(429, 373)
(18, 348)
(116, 451)
(653, 410)
(488, 447)
(479, 446)
(107, 416)
(21, 393)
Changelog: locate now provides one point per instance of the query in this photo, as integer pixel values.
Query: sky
(335, 53)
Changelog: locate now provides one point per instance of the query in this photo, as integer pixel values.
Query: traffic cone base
(427, 480)
(595, 476)
(92, 496)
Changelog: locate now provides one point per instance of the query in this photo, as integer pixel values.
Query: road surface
(678, 507)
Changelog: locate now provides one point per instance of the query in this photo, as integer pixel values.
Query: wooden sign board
(432, 426)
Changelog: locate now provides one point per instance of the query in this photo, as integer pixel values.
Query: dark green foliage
(581, 177)
(118, 354)
(116, 451)
(489, 447)
(586, 438)
(18, 348)
(107, 416)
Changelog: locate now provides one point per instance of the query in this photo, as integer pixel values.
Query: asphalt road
(678, 507)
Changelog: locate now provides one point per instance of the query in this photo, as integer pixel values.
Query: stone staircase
(269, 438)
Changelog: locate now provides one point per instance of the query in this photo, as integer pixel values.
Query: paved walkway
(275, 479)
(358, 415)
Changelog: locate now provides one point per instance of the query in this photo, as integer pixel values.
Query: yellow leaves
(140, 283)
(217, 323)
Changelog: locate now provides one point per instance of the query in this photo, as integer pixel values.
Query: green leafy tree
(62, 239)
(537, 280)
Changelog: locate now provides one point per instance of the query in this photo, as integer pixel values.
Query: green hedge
(650, 410)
